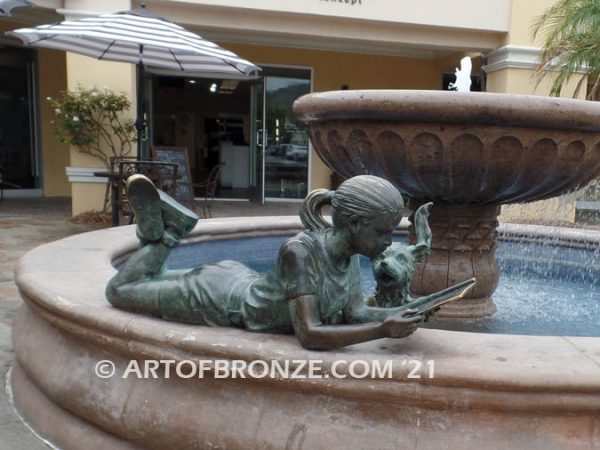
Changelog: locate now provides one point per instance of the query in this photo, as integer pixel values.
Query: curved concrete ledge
(506, 391)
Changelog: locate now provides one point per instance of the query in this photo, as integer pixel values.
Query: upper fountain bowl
(457, 147)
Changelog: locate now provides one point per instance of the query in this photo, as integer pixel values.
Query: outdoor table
(113, 178)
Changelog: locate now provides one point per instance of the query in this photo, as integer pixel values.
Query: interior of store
(211, 118)
(233, 123)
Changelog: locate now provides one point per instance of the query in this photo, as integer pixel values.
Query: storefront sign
(455, 14)
(348, 2)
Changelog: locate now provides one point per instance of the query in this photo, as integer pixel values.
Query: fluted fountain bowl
(467, 152)
(457, 147)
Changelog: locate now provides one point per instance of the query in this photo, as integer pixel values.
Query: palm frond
(570, 32)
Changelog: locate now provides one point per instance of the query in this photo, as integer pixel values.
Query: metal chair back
(209, 186)
(162, 174)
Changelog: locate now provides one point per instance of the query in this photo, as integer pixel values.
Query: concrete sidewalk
(27, 223)
(24, 224)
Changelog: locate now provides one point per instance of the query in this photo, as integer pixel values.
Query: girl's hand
(399, 325)
(430, 313)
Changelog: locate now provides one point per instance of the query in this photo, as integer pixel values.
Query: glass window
(286, 139)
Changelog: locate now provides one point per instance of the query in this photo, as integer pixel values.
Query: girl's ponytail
(310, 213)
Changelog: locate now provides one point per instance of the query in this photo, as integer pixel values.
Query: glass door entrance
(244, 127)
(18, 151)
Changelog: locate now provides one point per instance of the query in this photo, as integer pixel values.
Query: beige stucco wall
(523, 81)
(427, 29)
(522, 16)
(87, 72)
(331, 70)
(55, 156)
(465, 14)
(555, 211)
(514, 80)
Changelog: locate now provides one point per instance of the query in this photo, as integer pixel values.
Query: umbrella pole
(140, 124)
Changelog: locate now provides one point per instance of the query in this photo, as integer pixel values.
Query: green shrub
(93, 120)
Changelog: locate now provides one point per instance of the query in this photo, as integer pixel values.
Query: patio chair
(208, 189)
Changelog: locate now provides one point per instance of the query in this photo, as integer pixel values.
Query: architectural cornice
(513, 57)
(411, 38)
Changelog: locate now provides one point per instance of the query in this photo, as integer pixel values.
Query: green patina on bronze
(313, 289)
(394, 267)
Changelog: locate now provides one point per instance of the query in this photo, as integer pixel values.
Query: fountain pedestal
(463, 247)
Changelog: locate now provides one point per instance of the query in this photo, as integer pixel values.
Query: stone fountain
(508, 391)
(467, 152)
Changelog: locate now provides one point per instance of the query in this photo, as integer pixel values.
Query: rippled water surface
(543, 290)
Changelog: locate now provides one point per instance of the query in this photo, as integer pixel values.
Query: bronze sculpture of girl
(313, 290)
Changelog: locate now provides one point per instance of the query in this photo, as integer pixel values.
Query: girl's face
(372, 237)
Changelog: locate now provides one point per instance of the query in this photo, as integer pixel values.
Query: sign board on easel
(179, 156)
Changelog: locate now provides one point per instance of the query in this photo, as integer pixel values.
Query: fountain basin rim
(63, 283)
(447, 107)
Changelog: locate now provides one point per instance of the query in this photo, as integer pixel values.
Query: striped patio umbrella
(7, 6)
(139, 37)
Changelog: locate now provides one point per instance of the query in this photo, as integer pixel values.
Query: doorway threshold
(283, 200)
(222, 199)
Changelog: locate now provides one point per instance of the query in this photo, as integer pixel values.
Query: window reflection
(286, 151)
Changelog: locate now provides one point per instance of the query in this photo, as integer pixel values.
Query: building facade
(302, 45)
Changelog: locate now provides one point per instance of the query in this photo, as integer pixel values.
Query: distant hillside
(282, 99)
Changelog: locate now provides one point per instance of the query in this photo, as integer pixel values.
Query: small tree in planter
(93, 121)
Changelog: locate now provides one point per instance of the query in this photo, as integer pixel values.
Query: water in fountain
(546, 287)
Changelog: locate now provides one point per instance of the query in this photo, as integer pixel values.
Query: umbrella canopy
(140, 37)
(6, 6)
